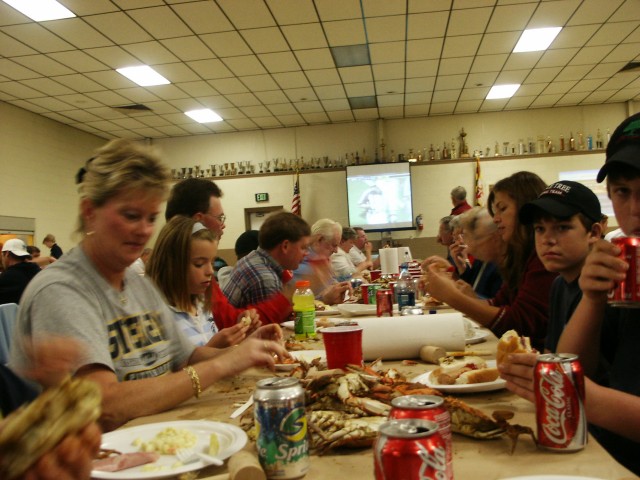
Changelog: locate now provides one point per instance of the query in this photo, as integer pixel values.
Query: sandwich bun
(463, 371)
(510, 343)
(483, 375)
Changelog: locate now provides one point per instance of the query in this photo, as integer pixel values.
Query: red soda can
(410, 449)
(426, 407)
(627, 292)
(384, 303)
(559, 390)
(365, 293)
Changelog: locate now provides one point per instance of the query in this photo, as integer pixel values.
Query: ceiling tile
(624, 53)
(509, 18)
(468, 106)
(161, 22)
(461, 46)
(452, 66)
(338, 9)
(292, 120)
(43, 65)
(386, 29)
(494, 105)
(273, 97)
(245, 65)
(24, 104)
(254, 110)
(335, 104)
(590, 55)
(546, 100)
(176, 72)
(150, 53)
(366, 114)
(110, 79)
(78, 33)
(308, 107)
(557, 58)
(520, 102)
(416, 110)
(387, 52)
(573, 73)
(345, 32)
(37, 37)
(17, 90)
(10, 47)
(390, 100)
(114, 57)
(605, 70)
(391, 112)
(420, 84)
(573, 36)
(203, 17)
(389, 87)
(627, 11)
(137, 94)
(52, 104)
(197, 89)
(267, 122)
(279, 62)
(315, 118)
(226, 44)
(210, 69)
(356, 74)
(282, 109)
(363, 89)
(531, 89)
(308, 35)
(188, 48)
(330, 92)
(469, 21)
(108, 98)
(422, 68)
(300, 94)
(315, 59)
(442, 108)
(512, 76)
(291, 80)
(228, 85)
(489, 63)
(259, 83)
(587, 85)
(612, 34)
(243, 124)
(390, 71)
(503, 42)
(15, 71)
(553, 13)
(572, 99)
(247, 14)
(542, 75)
(558, 87)
(215, 102)
(119, 28)
(425, 49)
(287, 12)
(448, 82)
(446, 96)
(593, 11)
(474, 93)
(519, 61)
(374, 8)
(427, 25)
(481, 79)
(265, 40)
(416, 6)
(79, 83)
(77, 60)
(231, 113)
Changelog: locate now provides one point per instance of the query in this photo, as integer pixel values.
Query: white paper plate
(497, 384)
(478, 336)
(231, 439)
(290, 325)
(551, 477)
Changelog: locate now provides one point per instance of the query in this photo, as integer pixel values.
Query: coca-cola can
(559, 392)
(430, 408)
(627, 292)
(384, 303)
(411, 449)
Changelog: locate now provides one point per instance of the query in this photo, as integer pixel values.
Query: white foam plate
(478, 336)
(231, 439)
(498, 384)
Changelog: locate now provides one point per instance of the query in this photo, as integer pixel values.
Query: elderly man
(459, 201)
(18, 270)
(361, 250)
(200, 199)
(316, 266)
(341, 262)
(283, 239)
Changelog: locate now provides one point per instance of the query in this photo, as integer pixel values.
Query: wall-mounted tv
(379, 196)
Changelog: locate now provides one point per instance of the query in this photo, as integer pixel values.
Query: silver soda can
(281, 424)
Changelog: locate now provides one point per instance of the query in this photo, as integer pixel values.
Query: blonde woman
(136, 353)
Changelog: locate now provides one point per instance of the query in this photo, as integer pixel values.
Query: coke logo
(552, 391)
(434, 464)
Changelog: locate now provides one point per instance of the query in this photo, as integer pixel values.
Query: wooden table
(473, 459)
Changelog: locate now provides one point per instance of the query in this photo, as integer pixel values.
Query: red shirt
(463, 207)
(274, 310)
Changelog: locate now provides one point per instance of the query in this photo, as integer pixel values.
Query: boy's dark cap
(624, 146)
(563, 199)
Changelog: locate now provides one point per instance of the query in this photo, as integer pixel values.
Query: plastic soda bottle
(304, 309)
(405, 294)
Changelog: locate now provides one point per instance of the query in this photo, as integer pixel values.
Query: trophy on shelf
(197, 170)
(464, 149)
(276, 167)
(173, 173)
(267, 166)
(190, 174)
(260, 164)
(213, 170)
(183, 172)
(207, 173)
(226, 170)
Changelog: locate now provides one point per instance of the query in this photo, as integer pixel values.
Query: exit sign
(262, 197)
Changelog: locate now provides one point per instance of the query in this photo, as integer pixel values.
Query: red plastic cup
(375, 274)
(343, 346)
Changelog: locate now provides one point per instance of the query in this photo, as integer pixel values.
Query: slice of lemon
(214, 445)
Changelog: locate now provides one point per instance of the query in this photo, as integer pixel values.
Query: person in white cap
(18, 272)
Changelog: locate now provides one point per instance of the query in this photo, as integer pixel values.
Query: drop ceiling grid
(267, 63)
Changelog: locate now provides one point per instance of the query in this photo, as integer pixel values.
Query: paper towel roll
(394, 338)
(389, 260)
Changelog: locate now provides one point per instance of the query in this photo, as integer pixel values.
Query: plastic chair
(8, 314)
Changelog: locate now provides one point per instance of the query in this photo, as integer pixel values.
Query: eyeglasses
(221, 218)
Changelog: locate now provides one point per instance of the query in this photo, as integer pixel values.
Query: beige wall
(40, 158)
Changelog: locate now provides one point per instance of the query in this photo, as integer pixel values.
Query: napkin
(399, 338)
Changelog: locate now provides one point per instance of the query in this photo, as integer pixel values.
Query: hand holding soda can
(626, 293)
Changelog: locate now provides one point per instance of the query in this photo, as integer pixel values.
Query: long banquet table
(473, 459)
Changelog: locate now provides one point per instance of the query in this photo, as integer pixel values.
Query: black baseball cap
(246, 243)
(624, 146)
(563, 199)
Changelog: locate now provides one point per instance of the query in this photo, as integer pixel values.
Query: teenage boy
(566, 221)
(595, 329)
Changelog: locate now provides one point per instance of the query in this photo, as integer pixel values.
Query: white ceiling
(267, 63)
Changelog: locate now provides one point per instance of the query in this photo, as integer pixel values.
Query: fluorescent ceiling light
(503, 91)
(41, 10)
(204, 115)
(144, 76)
(536, 39)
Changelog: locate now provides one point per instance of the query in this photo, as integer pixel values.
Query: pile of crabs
(345, 409)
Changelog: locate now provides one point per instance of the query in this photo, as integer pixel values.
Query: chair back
(8, 314)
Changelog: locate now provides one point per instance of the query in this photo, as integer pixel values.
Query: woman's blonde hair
(169, 263)
(118, 166)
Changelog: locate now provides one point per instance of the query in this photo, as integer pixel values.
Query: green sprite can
(281, 423)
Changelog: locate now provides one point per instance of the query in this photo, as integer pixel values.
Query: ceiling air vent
(630, 67)
(134, 107)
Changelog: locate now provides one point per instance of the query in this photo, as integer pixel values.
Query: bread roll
(478, 376)
(509, 343)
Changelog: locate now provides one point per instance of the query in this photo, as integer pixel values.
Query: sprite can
(281, 424)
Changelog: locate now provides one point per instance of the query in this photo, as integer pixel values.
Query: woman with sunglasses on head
(136, 353)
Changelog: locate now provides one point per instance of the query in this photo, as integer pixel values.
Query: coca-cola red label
(434, 463)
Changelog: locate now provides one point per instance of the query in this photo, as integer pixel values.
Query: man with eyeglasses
(200, 199)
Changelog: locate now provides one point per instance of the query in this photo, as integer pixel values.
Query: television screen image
(379, 196)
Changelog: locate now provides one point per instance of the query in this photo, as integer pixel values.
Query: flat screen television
(379, 196)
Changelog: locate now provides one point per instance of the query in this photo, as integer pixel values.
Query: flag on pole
(296, 205)
(479, 184)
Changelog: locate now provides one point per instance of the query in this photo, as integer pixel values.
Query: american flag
(296, 206)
